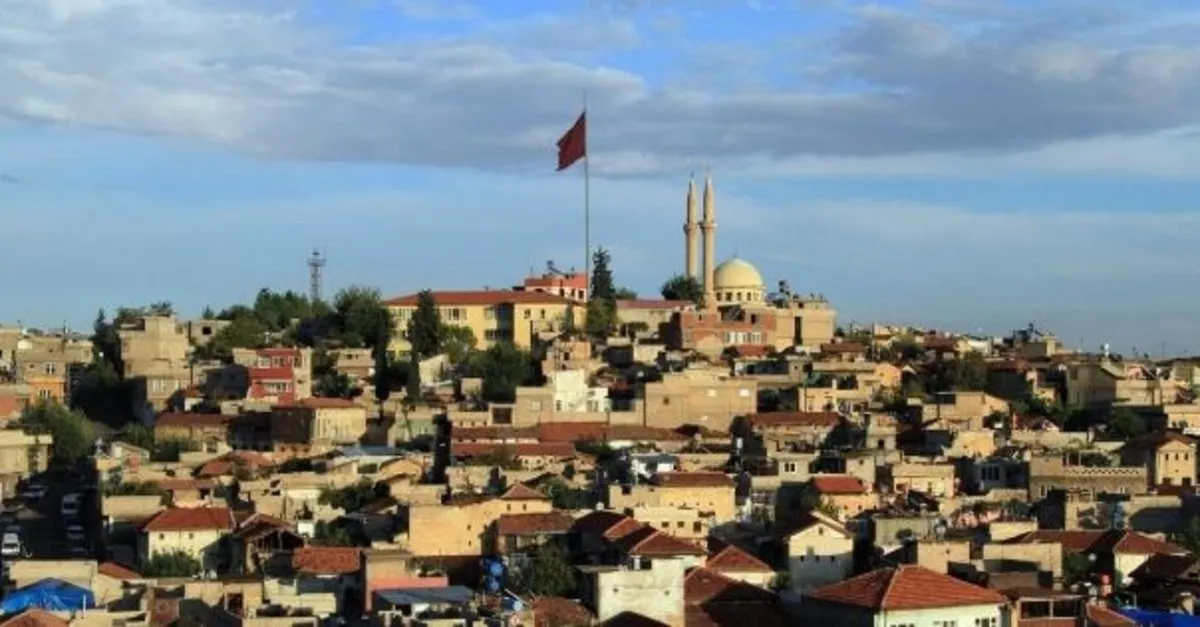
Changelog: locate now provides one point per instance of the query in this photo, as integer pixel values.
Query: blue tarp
(54, 595)
(1148, 618)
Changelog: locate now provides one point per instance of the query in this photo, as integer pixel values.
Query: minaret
(691, 234)
(709, 229)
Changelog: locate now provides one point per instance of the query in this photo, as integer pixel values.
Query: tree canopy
(503, 368)
(548, 573)
(602, 303)
(73, 434)
(683, 287)
(425, 327)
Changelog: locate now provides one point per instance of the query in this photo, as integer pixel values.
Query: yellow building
(492, 315)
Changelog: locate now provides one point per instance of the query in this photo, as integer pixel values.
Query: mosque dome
(737, 281)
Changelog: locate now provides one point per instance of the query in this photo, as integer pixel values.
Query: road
(43, 529)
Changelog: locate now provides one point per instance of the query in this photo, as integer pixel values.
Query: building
(820, 551)
(208, 431)
(196, 532)
(709, 494)
(1170, 458)
(22, 456)
(466, 524)
(905, 595)
(515, 316)
(317, 423)
(155, 351)
(570, 285)
(738, 310)
(280, 375)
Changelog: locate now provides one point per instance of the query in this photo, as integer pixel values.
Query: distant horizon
(958, 165)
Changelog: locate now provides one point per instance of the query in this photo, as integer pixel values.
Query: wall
(1047, 557)
(201, 544)
(818, 556)
(131, 507)
(654, 593)
(965, 616)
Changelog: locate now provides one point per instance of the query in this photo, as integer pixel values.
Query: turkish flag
(573, 145)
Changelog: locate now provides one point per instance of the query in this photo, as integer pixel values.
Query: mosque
(735, 288)
(735, 281)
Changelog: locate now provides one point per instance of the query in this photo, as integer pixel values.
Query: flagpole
(587, 207)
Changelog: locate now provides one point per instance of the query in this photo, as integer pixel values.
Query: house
(465, 523)
(709, 493)
(737, 564)
(196, 532)
(713, 599)
(820, 551)
(209, 431)
(904, 595)
(1169, 457)
(323, 578)
(515, 316)
(844, 494)
(517, 535)
(316, 424)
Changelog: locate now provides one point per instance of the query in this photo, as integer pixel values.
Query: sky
(962, 164)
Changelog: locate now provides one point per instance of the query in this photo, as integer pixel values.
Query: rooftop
(905, 588)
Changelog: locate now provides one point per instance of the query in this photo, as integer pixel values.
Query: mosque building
(738, 309)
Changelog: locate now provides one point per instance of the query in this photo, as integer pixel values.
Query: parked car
(10, 546)
(70, 505)
(34, 492)
(75, 534)
(13, 528)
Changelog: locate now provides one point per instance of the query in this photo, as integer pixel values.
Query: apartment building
(155, 350)
(491, 315)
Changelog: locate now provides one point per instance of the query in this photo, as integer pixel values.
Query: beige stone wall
(719, 500)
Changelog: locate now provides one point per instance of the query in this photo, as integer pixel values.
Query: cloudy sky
(976, 164)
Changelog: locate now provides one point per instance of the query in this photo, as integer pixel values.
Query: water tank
(491, 585)
(495, 568)
(513, 605)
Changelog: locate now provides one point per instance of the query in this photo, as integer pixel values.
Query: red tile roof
(327, 560)
(35, 618)
(480, 298)
(533, 524)
(522, 492)
(117, 571)
(605, 524)
(1101, 616)
(560, 611)
(693, 480)
(540, 449)
(753, 350)
(783, 419)
(842, 347)
(190, 519)
(905, 588)
(650, 542)
(727, 558)
(703, 586)
(838, 484)
(1121, 542)
(179, 485)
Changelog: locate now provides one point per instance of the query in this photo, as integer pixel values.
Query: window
(526, 313)
(44, 395)
(986, 622)
(51, 368)
(945, 623)
(489, 313)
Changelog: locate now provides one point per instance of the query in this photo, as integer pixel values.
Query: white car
(76, 535)
(34, 492)
(10, 545)
(70, 506)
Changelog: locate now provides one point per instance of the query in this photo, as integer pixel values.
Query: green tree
(1123, 424)
(383, 378)
(1189, 536)
(106, 344)
(966, 373)
(244, 330)
(624, 293)
(360, 319)
(73, 434)
(333, 534)
(412, 383)
(170, 450)
(683, 287)
(425, 328)
(503, 368)
(601, 306)
(456, 342)
(350, 498)
(162, 309)
(566, 497)
(172, 564)
(207, 313)
(1076, 567)
(137, 434)
(548, 573)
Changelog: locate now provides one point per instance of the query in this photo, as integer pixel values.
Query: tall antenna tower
(316, 267)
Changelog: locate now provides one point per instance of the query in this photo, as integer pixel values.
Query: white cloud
(928, 85)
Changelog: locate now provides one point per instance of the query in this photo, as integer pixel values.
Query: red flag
(573, 145)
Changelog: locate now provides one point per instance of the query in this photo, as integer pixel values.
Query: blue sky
(958, 163)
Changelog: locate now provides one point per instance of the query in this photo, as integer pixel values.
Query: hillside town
(565, 452)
